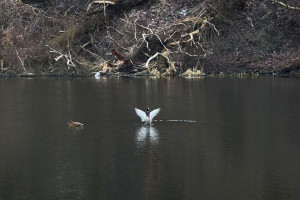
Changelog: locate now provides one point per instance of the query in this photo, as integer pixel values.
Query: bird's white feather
(153, 113)
(141, 114)
(144, 117)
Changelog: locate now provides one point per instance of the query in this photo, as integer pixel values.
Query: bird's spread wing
(141, 114)
(153, 113)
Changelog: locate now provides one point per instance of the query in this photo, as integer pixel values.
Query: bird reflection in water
(147, 140)
(147, 134)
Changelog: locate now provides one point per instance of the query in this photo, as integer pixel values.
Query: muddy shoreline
(287, 72)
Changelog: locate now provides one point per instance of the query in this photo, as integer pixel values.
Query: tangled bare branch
(68, 57)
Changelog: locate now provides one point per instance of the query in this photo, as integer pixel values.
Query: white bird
(147, 116)
(97, 75)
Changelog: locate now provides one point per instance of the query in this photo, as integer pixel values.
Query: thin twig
(116, 41)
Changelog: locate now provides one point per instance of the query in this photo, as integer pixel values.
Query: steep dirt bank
(264, 38)
(159, 37)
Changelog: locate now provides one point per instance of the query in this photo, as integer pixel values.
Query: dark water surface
(243, 145)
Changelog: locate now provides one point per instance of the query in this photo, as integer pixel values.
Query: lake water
(240, 139)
